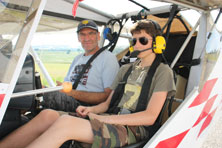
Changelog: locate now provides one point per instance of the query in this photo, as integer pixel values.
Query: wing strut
(75, 6)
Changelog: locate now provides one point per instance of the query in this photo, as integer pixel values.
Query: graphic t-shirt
(98, 76)
(76, 73)
(162, 81)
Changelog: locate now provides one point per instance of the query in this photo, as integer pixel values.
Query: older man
(94, 85)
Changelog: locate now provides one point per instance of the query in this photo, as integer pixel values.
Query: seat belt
(142, 102)
(74, 86)
(118, 93)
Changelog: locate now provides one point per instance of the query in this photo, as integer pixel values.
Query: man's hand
(83, 111)
(58, 83)
(67, 87)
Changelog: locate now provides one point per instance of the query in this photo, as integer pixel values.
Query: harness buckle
(124, 111)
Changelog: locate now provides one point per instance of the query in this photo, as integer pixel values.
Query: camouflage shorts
(109, 135)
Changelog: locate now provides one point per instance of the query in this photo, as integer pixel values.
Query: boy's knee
(49, 114)
(66, 120)
(65, 117)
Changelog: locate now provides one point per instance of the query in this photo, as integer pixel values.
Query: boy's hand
(101, 118)
(83, 111)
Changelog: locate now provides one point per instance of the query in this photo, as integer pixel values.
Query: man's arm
(90, 97)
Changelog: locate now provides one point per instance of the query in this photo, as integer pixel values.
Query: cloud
(67, 38)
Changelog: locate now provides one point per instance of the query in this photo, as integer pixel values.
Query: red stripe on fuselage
(207, 121)
(2, 96)
(206, 109)
(172, 142)
(205, 93)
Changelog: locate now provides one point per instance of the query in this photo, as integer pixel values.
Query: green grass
(57, 64)
(56, 71)
(212, 56)
(57, 56)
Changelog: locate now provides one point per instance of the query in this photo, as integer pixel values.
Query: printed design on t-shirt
(76, 72)
(140, 78)
(135, 90)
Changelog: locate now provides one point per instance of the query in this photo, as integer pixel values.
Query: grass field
(57, 64)
(56, 71)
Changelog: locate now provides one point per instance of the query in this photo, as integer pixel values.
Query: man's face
(89, 39)
(142, 41)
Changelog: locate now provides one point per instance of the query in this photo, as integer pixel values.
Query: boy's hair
(151, 27)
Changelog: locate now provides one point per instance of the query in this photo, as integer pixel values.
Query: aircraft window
(56, 50)
(5, 52)
(121, 45)
(12, 18)
(211, 55)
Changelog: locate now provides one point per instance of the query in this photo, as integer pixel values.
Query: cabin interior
(175, 30)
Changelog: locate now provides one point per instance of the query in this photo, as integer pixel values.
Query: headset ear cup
(107, 33)
(159, 45)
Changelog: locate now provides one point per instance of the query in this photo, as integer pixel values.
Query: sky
(66, 37)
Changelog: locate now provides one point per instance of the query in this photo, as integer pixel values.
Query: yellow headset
(159, 42)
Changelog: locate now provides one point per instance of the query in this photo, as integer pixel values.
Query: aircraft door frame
(199, 50)
(18, 56)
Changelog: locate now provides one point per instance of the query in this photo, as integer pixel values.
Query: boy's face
(142, 41)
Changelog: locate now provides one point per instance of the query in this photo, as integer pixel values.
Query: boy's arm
(147, 117)
(100, 108)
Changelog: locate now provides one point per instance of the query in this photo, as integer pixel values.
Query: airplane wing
(204, 5)
(60, 18)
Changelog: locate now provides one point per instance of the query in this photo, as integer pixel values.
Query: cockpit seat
(12, 118)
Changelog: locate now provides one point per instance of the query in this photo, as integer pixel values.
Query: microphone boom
(137, 52)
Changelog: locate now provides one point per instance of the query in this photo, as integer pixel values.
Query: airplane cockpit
(190, 51)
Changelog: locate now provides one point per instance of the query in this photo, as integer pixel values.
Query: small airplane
(193, 52)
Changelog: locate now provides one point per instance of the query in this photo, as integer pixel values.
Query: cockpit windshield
(12, 19)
